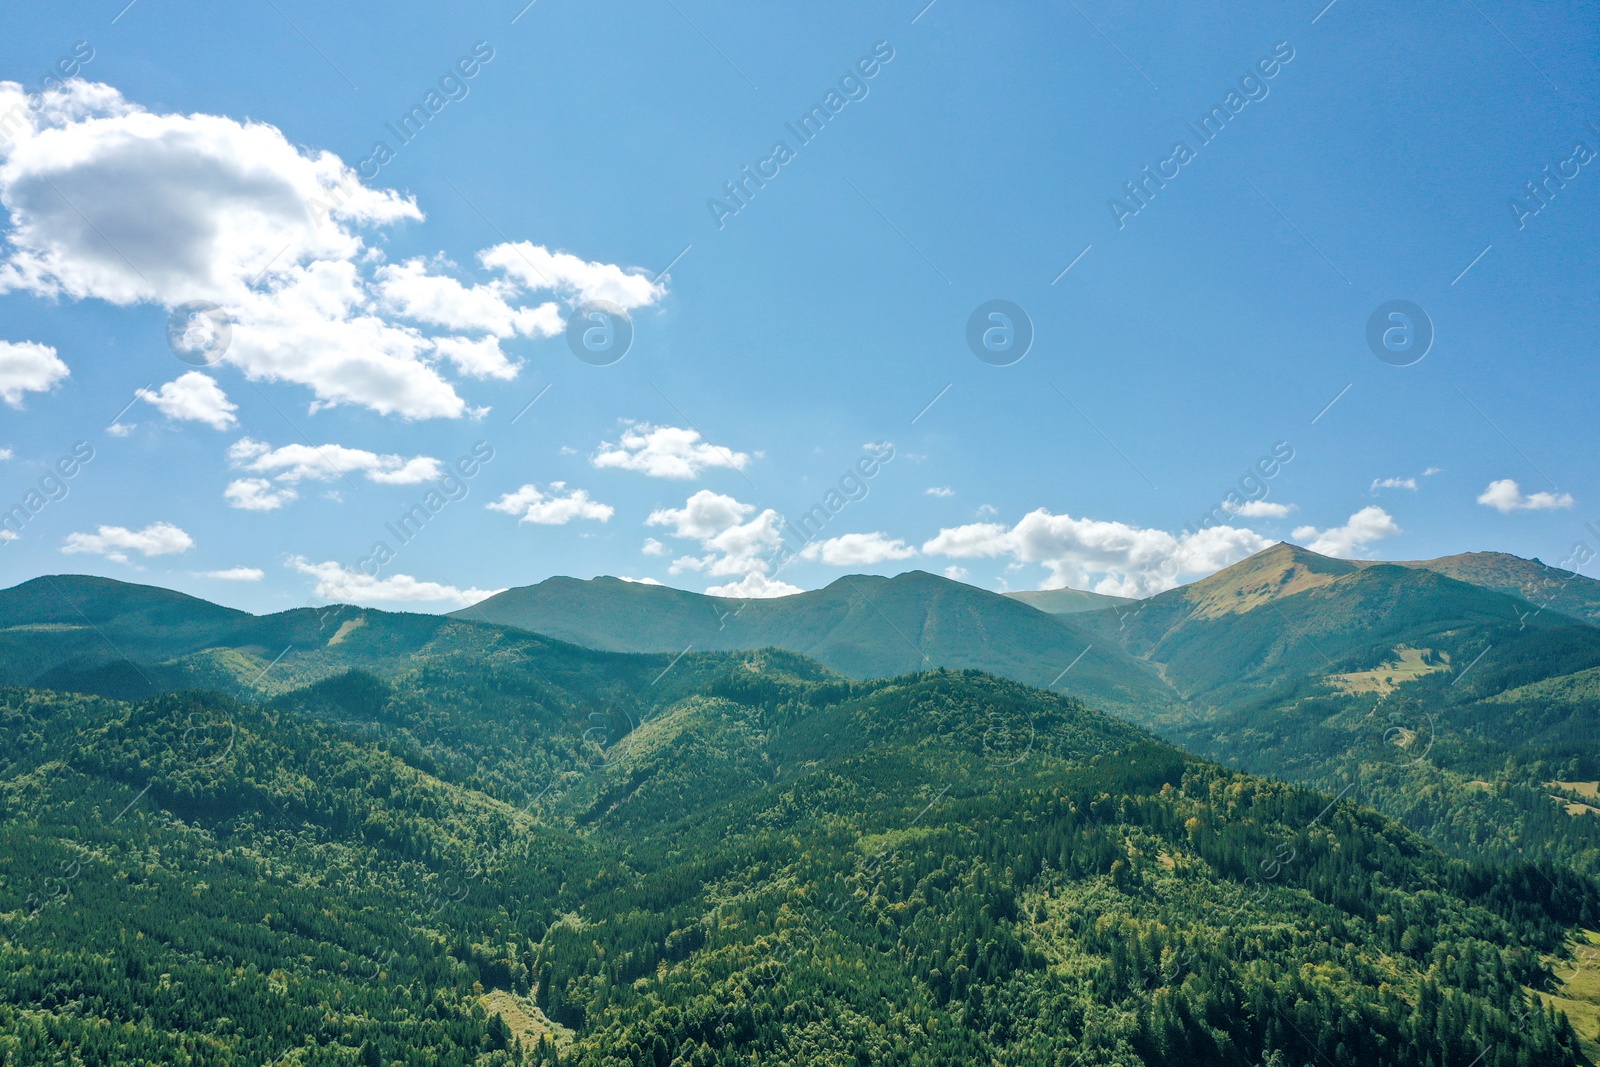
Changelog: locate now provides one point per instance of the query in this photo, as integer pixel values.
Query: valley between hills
(1304, 811)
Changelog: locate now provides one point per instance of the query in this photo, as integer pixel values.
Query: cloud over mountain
(1109, 557)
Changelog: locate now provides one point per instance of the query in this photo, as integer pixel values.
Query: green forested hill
(539, 854)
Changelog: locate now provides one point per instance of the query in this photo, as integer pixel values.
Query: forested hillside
(508, 857)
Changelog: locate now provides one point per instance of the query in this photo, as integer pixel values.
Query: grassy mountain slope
(1527, 579)
(1286, 614)
(440, 864)
(1067, 601)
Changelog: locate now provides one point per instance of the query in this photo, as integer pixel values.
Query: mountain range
(486, 847)
(603, 823)
(1449, 700)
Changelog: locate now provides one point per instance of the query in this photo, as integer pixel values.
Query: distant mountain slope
(1447, 703)
(1529, 579)
(129, 641)
(864, 626)
(1288, 613)
(1068, 601)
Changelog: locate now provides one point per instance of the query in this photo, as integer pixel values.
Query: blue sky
(419, 313)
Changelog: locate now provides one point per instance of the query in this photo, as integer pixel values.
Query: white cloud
(1257, 509)
(703, 515)
(754, 586)
(1505, 496)
(298, 463)
(196, 397)
(26, 367)
(988, 539)
(350, 586)
(652, 547)
(666, 452)
(111, 202)
(115, 542)
(481, 358)
(5, 454)
(1431, 471)
(956, 574)
(1394, 483)
(411, 290)
(939, 490)
(1112, 557)
(554, 508)
(638, 581)
(1369, 524)
(537, 268)
(236, 574)
(257, 494)
(733, 543)
(857, 549)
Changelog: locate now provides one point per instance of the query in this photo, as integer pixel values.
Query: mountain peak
(1279, 571)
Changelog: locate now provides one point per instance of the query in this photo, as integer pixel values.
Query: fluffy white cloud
(257, 494)
(298, 463)
(481, 358)
(236, 574)
(1369, 524)
(652, 547)
(955, 573)
(1257, 509)
(557, 507)
(195, 397)
(347, 585)
(638, 581)
(1110, 557)
(115, 542)
(537, 268)
(857, 549)
(26, 367)
(939, 490)
(1394, 483)
(703, 515)
(5, 454)
(1506, 496)
(412, 290)
(986, 539)
(734, 543)
(754, 586)
(666, 452)
(112, 202)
